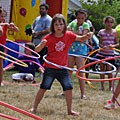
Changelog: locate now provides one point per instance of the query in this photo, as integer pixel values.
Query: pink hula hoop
(97, 80)
(28, 61)
(19, 52)
(20, 111)
(9, 117)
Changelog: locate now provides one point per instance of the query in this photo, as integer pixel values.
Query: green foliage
(97, 11)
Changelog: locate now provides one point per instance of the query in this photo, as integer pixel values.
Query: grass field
(53, 107)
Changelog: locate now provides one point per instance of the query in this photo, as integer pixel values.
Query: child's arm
(100, 42)
(84, 37)
(116, 43)
(39, 47)
(1, 31)
(8, 68)
(12, 27)
(3, 24)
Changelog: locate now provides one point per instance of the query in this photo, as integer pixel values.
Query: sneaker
(110, 105)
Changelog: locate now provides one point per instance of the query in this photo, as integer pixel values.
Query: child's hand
(90, 34)
(35, 34)
(12, 25)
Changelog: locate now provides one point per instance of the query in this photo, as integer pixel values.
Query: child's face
(27, 52)
(80, 18)
(109, 23)
(2, 16)
(59, 26)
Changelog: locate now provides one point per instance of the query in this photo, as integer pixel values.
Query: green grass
(53, 107)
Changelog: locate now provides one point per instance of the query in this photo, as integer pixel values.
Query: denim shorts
(61, 75)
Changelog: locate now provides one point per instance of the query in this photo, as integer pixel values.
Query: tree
(100, 9)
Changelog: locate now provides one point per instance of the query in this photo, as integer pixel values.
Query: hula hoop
(28, 61)
(95, 72)
(85, 63)
(19, 52)
(93, 53)
(23, 64)
(89, 46)
(97, 60)
(9, 83)
(97, 80)
(20, 111)
(24, 84)
(9, 117)
(113, 87)
(74, 69)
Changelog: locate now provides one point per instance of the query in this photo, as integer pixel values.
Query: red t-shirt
(4, 36)
(58, 48)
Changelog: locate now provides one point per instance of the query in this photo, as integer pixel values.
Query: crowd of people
(54, 37)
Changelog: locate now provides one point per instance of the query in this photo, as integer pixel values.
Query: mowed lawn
(53, 107)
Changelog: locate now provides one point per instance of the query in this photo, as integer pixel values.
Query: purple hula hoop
(113, 86)
(74, 69)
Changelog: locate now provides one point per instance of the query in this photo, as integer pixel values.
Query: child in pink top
(107, 40)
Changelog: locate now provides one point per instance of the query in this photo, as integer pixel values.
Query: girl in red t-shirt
(4, 26)
(58, 43)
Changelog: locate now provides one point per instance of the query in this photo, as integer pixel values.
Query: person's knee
(67, 87)
(45, 86)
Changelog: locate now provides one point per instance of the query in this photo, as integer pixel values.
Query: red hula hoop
(89, 46)
(9, 117)
(20, 111)
(97, 80)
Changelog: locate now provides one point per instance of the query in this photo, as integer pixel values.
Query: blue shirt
(32, 67)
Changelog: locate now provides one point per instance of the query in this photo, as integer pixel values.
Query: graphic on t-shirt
(80, 28)
(78, 48)
(60, 46)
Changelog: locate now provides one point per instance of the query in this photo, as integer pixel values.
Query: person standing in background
(4, 26)
(79, 27)
(106, 41)
(40, 28)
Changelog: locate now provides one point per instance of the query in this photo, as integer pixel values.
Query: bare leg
(71, 62)
(102, 76)
(1, 71)
(117, 92)
(80, 62)
(68, 95)
(109, 68)
(110, 82)
(38, 98)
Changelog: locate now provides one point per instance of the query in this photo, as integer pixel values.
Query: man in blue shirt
(40, 28)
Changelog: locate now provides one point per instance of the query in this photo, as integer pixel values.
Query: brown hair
(58, 17)
(81, 11)
(107, 17)
(2, 10)
(45, 5)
